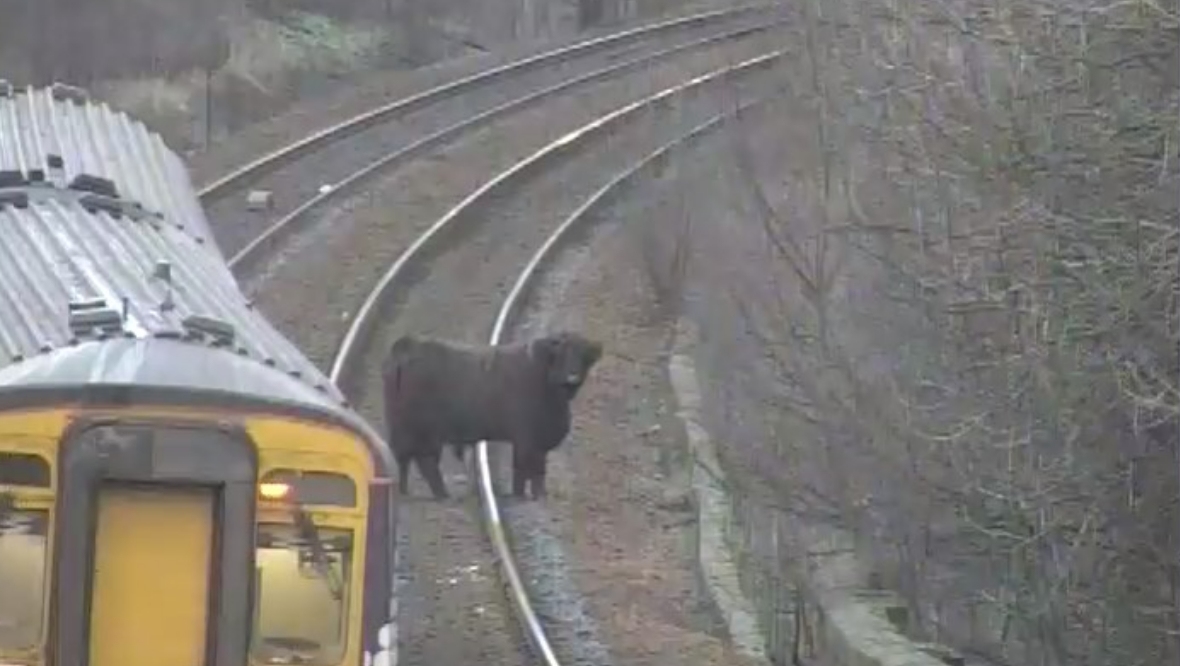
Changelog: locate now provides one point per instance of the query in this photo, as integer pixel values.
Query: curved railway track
(408, 128)
(456, 244)
(371, 332)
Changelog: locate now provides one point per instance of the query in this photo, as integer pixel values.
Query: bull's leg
(403, 473)
(537, 475)
(528, 471)
(519, 469)
(428, 465)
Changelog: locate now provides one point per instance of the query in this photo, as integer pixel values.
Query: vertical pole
(208, 106)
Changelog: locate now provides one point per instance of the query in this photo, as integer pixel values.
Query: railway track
(445, 550)
(408, 128)
(423, 276)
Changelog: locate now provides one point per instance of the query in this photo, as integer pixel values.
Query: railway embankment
(842, 621)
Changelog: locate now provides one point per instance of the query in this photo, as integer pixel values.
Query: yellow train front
(179, 485)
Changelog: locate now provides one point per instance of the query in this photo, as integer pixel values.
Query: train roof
(164, 371)
(155, 363)
(79, 265)
(57, 138)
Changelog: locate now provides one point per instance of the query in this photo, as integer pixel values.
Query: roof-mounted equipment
(222, 332)
(12, 178)
(15, 198)
(163, 272)
(94, 317)
(85, 182)
(66, 92)
(94, 203)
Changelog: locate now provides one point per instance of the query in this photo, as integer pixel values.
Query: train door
(154, 545)
(153, 548)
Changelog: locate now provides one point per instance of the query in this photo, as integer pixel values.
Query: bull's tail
(401, 350)
(388, 404)
(402, 353)
(392, 379)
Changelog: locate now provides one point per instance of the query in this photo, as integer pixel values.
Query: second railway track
(406, 128)
(454, 608)
(460, 291)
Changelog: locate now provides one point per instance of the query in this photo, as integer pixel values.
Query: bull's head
(568, 359)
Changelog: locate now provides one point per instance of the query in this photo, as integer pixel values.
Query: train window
(24, 469)
(301, 614)
(320, 488)
(23, 548)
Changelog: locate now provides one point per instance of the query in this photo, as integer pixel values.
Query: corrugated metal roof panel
(79, 262)
(57, 141)
(54, 252)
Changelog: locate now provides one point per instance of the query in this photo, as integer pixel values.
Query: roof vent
(64, 91)
(11, 178)
(18, 199)
(222, 332)
(163, 272)
(94, 316)
(85, 182)
(94, 203)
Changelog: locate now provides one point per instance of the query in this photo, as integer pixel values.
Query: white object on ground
(259, 200)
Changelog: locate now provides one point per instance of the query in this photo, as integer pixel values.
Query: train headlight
(274, 491)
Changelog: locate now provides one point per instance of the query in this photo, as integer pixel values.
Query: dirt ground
(618, 503)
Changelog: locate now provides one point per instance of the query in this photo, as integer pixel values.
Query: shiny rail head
(255, 251)
(362, 321)
(247, 173)
(351, 345)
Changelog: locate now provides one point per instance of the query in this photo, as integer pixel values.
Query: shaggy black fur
(439, 392)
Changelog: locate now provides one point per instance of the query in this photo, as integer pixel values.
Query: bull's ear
(549, 350)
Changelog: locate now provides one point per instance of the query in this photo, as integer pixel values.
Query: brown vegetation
(83, 42)
(975, 319)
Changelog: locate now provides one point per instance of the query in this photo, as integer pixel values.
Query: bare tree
(976, 315)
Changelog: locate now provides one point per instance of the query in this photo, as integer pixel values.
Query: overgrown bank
(940, 311)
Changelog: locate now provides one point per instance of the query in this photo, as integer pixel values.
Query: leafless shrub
(980, 329)
(974, 317)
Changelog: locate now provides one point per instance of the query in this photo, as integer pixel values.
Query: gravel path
(619, 501)
(459, 293)
(453, 609)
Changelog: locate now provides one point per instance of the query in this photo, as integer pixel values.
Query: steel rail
(497, 531)
(293, 151)
(291, 222)
(365, 318)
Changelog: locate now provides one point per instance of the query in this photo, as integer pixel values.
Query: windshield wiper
(7, 504)
(319, 559)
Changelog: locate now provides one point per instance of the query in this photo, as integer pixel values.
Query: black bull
(439, 392)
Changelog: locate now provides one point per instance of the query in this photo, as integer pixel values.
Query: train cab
(179, 484)
(198, 532)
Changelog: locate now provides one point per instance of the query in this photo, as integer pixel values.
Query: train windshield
(301, 614)
(24, 543)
